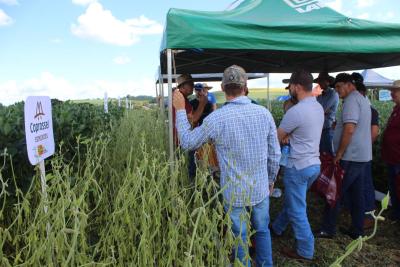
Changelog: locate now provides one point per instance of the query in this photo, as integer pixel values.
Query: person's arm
(190, 139)
(274, 152)
(374, 132)
(374, 124)
(289, 123)
(347, 134)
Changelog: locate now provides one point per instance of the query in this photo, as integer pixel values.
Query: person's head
(344, 84)
(234, 81)
(206, 87)
(324, 80)
(199, 89)
(395, 92)
(300, 84)
(359, 83)
(185, 84)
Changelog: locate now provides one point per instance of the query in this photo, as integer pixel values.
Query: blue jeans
(326, 143)
(394, 170)
(369, 189)
(353, 190)
(296, 183)
(260, 220)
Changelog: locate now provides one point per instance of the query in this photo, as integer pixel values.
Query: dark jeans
(394, 180)
(191, 165)
(326, 143)
(353, 190)
(369, 189)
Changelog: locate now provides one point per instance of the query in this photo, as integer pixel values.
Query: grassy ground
(382, 250)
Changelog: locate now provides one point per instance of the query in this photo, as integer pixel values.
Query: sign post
(105, 102)
(39, 136)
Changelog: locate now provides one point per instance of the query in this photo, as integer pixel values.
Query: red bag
(329, 182)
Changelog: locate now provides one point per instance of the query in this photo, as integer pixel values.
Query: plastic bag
(329, 182)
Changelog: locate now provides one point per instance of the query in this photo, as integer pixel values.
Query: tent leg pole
(170, 118)
(268, 95)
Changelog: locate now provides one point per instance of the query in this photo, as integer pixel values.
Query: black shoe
(349, 233)
(272, 231)
(323, 234)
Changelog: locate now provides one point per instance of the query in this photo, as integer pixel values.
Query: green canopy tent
(274, 36)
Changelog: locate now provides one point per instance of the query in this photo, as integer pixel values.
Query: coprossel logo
(39, 111)
(304, 6)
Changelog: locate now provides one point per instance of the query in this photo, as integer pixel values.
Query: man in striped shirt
(248, 153)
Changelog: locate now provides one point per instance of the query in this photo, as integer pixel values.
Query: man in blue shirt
(329, 100)
(248, 153)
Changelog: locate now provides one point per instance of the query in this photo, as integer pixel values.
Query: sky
(79, 49)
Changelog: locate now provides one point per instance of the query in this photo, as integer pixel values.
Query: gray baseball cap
(234, 75)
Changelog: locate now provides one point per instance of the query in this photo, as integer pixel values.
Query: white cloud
(5, 20)
(9, 2)
(336, 5)
(83, 2)
(365, 3)
(363, 16)
(99, 24)
(121, 60)
(58, 87)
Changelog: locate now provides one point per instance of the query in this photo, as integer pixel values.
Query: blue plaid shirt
(247, 147)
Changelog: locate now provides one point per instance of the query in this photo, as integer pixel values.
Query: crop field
(255, 93)
(113, 200)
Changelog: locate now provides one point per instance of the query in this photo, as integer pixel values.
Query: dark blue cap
(198, 86)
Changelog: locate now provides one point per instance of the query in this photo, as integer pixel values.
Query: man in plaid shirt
(248, 153)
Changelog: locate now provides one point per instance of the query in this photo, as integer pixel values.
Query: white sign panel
(384, 95)
(38, 128)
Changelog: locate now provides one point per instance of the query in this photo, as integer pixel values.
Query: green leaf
(385, 201)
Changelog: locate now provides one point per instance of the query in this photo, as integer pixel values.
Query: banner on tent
(305, 6)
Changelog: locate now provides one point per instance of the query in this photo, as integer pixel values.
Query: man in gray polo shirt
(303, 125)
(353, 147)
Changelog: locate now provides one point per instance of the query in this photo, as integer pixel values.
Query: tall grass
(119, 206)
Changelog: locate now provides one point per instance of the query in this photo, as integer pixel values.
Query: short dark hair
(233, 89)
(303, 78)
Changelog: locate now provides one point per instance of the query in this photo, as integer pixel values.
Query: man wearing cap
(302, 123)
(200, 93)
(248, 153)
(329, 101)
(353, 148)
(391, 151)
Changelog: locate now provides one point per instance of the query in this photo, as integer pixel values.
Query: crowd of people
(248, 148)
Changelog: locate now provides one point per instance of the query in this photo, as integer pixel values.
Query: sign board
(38, 128)
(384, 95)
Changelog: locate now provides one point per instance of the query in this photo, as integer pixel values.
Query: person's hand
(285, 141)
(271, 188)
(337, 158)
(334, 125)
(202, 98)
(178, 100)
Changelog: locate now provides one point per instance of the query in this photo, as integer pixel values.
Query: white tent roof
(375, 80)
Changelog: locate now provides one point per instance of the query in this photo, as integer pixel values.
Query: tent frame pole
(268, 94)
(170, 115)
